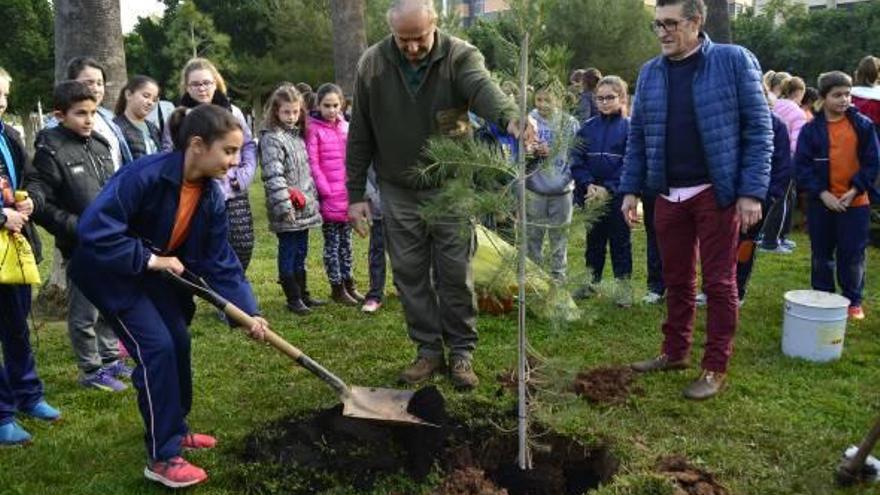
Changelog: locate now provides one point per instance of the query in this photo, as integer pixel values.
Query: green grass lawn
(779, 428)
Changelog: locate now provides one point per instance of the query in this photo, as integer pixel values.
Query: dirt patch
(607, 385)
(690, 480)
(300, 455)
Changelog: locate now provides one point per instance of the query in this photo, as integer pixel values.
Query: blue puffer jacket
(597, 156)
(812, 162)
(732, 117)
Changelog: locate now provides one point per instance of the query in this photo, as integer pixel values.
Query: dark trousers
(337, 251)
(745, 256)
(293, 249)
(377, 262)
(154, 330)
(610, 230)
(20, 387)
(683, 229)
(241, 228)
(839, 240)
(777, 223)
(655, 265)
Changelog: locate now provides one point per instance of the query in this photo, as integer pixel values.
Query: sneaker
(706, 386)
(780, 249)
(102, 380)
(585, 291)
(701, 299)
(13, 434)
(652, 298)
(855, 313)
(462, 374)
(43, 411)
(371, 306)
(422, 369)
(175, 473)
(788, 243)
(198, 441)
(118, 370)
(660, 363)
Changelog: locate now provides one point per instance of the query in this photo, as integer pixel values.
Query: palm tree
(349, 40)
(91, 28)
(718, 21)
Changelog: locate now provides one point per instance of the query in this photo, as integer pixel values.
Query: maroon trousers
(683, 229)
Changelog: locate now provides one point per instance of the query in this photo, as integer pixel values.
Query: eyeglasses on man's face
(661, 26)
(200, 84)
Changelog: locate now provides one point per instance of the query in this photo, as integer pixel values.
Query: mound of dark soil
(607, 385)
(300, 455)
(690, 479)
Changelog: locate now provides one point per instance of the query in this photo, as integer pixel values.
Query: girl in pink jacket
(326, 136)
(788, 108)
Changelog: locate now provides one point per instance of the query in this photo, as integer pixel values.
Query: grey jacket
(554, 178)
(286, 164)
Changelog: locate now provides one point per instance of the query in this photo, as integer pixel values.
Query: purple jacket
(325, 143)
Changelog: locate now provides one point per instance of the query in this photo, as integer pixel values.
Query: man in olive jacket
(417, 83)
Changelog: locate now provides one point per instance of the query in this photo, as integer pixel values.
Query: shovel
(382, 404)
(853, 469)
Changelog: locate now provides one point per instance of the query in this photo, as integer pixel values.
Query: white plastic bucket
(814, 325)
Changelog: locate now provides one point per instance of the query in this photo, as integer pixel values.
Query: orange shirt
(843, 156)
(190, 193)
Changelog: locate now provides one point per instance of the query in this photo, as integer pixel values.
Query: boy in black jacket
(72, 163)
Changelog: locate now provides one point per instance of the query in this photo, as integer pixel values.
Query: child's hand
(14, 220)
(831, 202)
(162, 263)
(258, 331)
(25, 207)
(594, 190)
(848, 198)
(630, 210)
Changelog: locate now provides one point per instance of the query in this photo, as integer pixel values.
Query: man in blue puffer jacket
(701, 138)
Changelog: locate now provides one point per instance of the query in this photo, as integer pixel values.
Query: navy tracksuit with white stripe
(133, 215)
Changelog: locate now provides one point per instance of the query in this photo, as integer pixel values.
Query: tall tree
(349, 40)
(91, 28)
(718, 21)
(26, 52)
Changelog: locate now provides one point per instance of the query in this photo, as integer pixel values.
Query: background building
(816, 4)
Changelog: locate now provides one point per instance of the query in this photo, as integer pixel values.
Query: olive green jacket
(390, 124)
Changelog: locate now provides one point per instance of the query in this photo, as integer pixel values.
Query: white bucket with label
(814, 325)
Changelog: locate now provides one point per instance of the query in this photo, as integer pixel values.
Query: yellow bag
(18, 265)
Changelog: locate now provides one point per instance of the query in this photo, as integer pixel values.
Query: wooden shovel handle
(247, 321)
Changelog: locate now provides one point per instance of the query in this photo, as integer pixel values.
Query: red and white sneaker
(856, 313)
(175, 473)
(196, 441)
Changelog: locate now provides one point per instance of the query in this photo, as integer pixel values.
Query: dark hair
(691, 8)
(811, 96)
(69, 93)
(310, 101)
(590, 78)
(576, 76)
(328, 88)
(286, 93)
(209, 122)
(78, 64)
(831, 80)
(133, 84)
(868, 71)
(304, 87)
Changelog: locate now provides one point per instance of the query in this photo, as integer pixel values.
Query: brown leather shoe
(706, 386)
(340, 295)
(462, 374)
(422, 369)
(660, 363)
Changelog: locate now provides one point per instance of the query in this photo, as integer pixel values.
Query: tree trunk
(349, 40)
(718, 21)
(91, 28)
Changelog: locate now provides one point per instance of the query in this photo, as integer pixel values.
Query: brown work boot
(660, 363)
(462, 374)
(706, 386)
(339, 295)
(422, 369)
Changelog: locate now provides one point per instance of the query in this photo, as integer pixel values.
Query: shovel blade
(382, 404)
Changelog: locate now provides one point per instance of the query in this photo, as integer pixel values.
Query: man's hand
(630, 210)
(162, 263)
(848, 198)
(258, 331)
(749, 212)
(14, 220)
(831, 202)
(25, 207)
(530, 131)
(359, 217)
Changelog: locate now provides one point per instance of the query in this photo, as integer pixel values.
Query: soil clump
(606, 385)
(690, 480)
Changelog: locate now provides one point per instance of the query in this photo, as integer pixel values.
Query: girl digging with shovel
(160, 214)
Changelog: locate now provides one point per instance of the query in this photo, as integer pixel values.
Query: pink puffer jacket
(325, 142)
(793, 116)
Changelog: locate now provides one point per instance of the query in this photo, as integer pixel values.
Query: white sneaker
(701, 299)
(371, 306)
(652, 298)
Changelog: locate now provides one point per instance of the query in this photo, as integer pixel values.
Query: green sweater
(390, 123)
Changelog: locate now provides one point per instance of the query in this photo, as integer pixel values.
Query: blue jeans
(377, 262)
(843, 236)
(20, 387)
(293, 249)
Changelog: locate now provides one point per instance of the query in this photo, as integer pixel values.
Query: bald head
(413, 24)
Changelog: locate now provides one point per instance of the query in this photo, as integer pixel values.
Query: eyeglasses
(606, 99)
(201, 84)
(666, 25)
